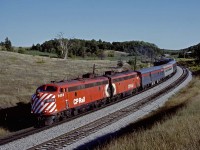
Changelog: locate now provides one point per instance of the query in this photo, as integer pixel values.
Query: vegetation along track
(112, 117)
(72, 136)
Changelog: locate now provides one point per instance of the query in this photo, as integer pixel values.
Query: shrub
(120, 63)
(21, 50)
(71, 55)
(111, 54)
(2, 48)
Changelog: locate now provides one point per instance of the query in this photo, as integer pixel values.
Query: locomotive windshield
(47, 89)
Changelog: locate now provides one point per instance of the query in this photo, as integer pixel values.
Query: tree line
(88, 48)
(83, 48)
(192, 51)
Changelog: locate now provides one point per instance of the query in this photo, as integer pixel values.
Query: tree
(111, 54)
(1, 43)
(8, 44)
(33, 47)
(197, 53)
(101, 54)
(64, 45)
(21, 50)
(195, 50)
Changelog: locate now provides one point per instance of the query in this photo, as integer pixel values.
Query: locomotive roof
(150, 69)
(80, 81)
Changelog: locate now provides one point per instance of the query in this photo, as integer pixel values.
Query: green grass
(38, 53)
(185, 59)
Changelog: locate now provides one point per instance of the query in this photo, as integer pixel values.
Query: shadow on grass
(143, 124)
(196, 73)
(16, 118)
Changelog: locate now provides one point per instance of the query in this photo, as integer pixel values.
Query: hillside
(192, 51)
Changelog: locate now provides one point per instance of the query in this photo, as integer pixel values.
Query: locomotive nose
(43, 103)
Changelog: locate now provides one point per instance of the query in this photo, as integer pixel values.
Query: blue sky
(170, 24)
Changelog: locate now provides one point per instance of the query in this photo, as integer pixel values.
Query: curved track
(83, 131)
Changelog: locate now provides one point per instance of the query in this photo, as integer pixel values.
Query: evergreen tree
(1, 43)
(8, 44)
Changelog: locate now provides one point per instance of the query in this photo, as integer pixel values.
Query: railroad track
(32, 130)
(79, 133)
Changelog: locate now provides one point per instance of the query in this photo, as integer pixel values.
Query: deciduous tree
(64, 45)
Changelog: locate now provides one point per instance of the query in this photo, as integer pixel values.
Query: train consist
(63, 99)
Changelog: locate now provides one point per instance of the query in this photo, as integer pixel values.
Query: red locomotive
(65, 98)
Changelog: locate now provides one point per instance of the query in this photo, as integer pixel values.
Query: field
(21, 74)
(179, 129)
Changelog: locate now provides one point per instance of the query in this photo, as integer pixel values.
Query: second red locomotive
(65, 98)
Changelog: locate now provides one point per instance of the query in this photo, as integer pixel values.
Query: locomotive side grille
(40, 104)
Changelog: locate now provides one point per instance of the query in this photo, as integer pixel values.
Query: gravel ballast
(46, 135)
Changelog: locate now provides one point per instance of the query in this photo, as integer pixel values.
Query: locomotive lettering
(61, 95)
(79, 100)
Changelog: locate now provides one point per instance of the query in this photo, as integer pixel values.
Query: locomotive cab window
(47, 89)
(51, 89)
(41, 89)
(75, 93)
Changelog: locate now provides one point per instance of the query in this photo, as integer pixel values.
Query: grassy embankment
(178, 130)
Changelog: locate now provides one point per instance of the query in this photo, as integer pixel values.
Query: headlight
(49, 100)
